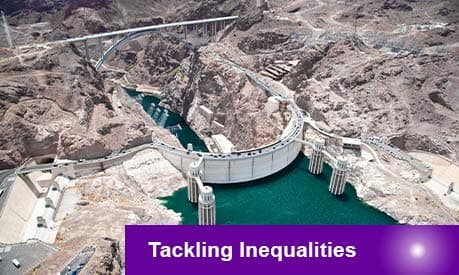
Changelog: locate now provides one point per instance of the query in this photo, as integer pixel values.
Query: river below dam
(291, 196)
(169, 120)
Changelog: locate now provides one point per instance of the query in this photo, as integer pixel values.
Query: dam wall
(239, 166)
(242, 166)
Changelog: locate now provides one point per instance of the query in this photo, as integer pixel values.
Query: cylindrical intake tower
(316, 162)
(207, 215)
(193, 188)
(338, 179)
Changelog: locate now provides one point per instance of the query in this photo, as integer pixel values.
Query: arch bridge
(235, 167)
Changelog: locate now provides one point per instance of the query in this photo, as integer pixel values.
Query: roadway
(139, 33)
(291, 136)
(78, 263)
(139, 29)
(29, 254)
(294, 132)
(5, 174)
(401, 155)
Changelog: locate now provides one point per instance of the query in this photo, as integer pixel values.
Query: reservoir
(291, 196)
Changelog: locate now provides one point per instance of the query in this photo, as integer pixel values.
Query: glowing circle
(417, 250)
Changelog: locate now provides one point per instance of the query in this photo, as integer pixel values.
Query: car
(16, 263)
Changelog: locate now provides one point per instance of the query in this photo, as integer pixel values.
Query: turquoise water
(169, 120)
(292, 196)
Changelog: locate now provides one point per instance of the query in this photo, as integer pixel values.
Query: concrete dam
(212, 168)
(242, 166)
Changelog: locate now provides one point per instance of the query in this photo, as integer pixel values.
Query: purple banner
(293, 249)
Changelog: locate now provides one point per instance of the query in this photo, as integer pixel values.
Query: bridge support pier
(206, 206)
(338, 179)
(101, 47)
(114, 40)
(195, 35)
(204, 33)
(316, 162)
(214, 32)
(208, 35)
(86, 51)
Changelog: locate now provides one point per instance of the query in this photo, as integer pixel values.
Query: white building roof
(352, 141)
(223, 144)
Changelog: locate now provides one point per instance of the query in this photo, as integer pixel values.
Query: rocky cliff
(363, 67)
(81, 120)
(56, 103)
(236, 103)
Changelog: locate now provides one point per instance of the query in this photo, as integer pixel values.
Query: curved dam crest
(290, 196)
(235, 167)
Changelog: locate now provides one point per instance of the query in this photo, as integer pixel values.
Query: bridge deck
(141, 29)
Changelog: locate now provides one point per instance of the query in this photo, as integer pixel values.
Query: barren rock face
(249, 17)
(158, 60)
(410, 97)
(80, 147)
(262, 41)
(55, 104)
(10, 6)
(396, 5)
(386, 68)
(234, 101)
(305, 68)
(108, 257)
